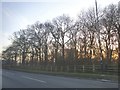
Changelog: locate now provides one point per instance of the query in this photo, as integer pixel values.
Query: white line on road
(104, 80)
(34, 79)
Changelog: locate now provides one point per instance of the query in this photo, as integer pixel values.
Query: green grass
(71, 74)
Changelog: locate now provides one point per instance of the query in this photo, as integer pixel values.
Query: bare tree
(63, 24)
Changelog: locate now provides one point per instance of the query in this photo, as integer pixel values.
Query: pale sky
(17, 14)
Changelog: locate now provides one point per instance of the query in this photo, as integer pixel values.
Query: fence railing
(113, 69)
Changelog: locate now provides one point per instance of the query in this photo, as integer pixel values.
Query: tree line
(93, 38)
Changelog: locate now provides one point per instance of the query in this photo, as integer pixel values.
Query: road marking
(34, 79)
(104, 80)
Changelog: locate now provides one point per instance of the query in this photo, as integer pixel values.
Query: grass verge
(71, 74)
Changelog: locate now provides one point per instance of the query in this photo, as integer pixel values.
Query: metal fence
(111, 69)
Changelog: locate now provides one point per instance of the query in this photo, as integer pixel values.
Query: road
(0, 78)
(16, 79)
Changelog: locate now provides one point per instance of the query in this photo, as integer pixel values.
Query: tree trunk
(119, 44)
(15, 58)
(56, 51)
(23, 57)
(39, 50)
(46, 54)
(63, 50)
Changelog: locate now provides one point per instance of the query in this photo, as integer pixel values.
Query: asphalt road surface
(16, 79)
(0, 78)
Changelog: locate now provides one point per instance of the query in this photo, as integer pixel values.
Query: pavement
(17, 79)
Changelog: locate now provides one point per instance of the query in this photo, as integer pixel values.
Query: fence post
(61, 68)
(67, 68)
(83, 68)
(39, 67)
(74, 68)
(55, 68)
(93, 68)
(51, 68)
(45, 68)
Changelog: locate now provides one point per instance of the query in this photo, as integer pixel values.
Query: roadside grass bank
(84, 75)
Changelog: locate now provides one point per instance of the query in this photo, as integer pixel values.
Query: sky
(18, 14)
